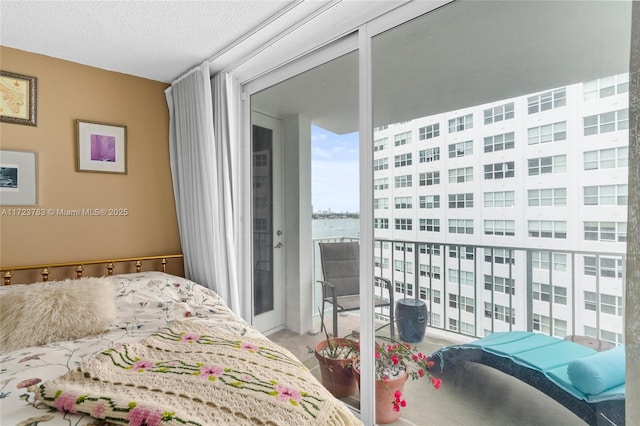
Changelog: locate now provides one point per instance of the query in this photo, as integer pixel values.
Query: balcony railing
(474, 290)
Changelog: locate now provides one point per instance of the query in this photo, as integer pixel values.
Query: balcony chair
(589, 383)
(341, 282)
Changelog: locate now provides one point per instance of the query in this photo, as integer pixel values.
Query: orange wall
(68, 91)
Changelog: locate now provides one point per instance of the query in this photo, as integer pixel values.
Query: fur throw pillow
(41, 313)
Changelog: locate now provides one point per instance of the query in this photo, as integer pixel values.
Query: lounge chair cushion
(594, 374)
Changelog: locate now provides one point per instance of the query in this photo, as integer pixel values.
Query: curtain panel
(202, 185)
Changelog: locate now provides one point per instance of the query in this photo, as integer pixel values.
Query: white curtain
(201, 174)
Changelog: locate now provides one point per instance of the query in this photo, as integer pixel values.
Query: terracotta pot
(385, 397)
(336, 374)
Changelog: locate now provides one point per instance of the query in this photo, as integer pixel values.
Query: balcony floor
(478, 396)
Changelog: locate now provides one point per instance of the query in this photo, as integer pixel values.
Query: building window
(499, 113)
(461, 277)
(380, 144)
(540, 260)
(607, 86)
(605, 231)
(547, 197)
(549, 133)
(606, 195)
(500, 227)
(548, 229)
(460, 149)
(403, 203)
(429, 132)
(499, 199)
(541, 323)
(403, 247)
(433, 249)
(499, 142)
(500, 284)
(462, 252)
(402, 139)
(404, 181)
(431, 272)
(461, 124)
(609, 267)
(429, 155)
(403, 160)
(404, 224)
(499, 170)
(461, 226)
(541, 292)
(609, 304)
(499, 255)
(429, 201)
(401, 266)
(467, 304)
(544, 165)
(606, 158)
(460, 201)
(464, 174)
(381, 203)
(380, 164)
(430, 225)
(381, 223)
(382, 183)
(606, 122)
(559, 295)
(547, 100)
(429, 178)
(499, 312)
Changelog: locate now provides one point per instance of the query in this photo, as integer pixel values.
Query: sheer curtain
(201, 174)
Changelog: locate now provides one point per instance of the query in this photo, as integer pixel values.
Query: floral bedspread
(146, 302)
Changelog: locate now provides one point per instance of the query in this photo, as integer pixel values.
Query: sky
(334, 171)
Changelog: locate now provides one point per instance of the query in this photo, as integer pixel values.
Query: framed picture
(18, 180)
(101, 147)
(18, 98)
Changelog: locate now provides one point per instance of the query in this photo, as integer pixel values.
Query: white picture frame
(101, 147)
(18, 178)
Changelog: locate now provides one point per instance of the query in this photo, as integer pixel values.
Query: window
(609, 304)
(499, 113)
(499, 312)
(380, 144)
(401, 266)
(464, 174)
(461, 226)
(402, 139)
(544, 165)
(499, 170)
(606, 122)
(430, 225)
(380, 164)
(433, 249)
(460, 149)
(429, 201)
(462, 277)
(381, 203)
(379, 184)
(430, 294)
(540, 260)
(541, 323)
(403, 160)
(549, 133)
(404, 181)
(547, 100)
(500, 227)
(462, 252)
(609, 267)
(429, 132)
(467, 304)
(403, 247)
(606, 195)
(607, 86)
(541, 292)
(499, 142)
(548, 229)
(499, 199)
(547, 197)
(500, 284)
(461, 124)
(404, 224)
(429, 178)
(403, 203)
(559, 295)
(381, 223)
(499, 255)
(429, 155)
(460, 201)
(431, 272)
(605, 231)
(606, 158)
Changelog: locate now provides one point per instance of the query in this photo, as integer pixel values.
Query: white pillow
(41, 313)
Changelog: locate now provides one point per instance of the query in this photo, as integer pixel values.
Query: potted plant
(395, 362)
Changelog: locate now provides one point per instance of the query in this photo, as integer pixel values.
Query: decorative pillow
(594, 374)
(36, 314)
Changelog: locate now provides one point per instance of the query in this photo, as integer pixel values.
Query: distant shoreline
(330, 215)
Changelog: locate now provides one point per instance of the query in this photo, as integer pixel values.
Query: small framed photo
(18, 95)
(101, 147)
(18, 180)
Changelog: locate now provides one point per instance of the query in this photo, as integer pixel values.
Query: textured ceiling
(158, 40)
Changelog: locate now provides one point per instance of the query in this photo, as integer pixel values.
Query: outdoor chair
(341, 282)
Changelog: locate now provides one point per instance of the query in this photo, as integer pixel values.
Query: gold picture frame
(18, 97)
(101, 147)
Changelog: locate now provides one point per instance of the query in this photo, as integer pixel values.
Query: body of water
(325, 228)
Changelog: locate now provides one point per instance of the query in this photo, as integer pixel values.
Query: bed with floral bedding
(168, 352)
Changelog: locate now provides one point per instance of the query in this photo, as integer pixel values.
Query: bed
(149, 348)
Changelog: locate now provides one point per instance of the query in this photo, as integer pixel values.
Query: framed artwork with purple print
(101, 147)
